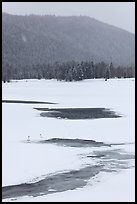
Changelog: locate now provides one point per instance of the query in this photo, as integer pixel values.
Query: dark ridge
(26, 102)
(78, 143)
(78, 113)
(69, 109)
(74, 142)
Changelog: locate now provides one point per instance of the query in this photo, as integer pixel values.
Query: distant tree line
(67, 71)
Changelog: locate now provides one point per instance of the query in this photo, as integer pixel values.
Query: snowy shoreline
(23, 162)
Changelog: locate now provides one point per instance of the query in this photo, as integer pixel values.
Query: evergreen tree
(107, 75)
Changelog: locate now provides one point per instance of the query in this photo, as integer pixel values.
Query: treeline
(67, 71)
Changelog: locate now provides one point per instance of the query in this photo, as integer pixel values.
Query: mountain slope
(33, 39)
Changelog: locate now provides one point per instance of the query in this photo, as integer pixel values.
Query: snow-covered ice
(30, 162)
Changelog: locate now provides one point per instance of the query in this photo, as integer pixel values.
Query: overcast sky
(120, 14)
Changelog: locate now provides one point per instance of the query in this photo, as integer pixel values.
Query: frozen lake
(66, 158)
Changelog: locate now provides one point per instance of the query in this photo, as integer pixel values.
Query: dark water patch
(59, 182)
(113, 160)
(95, 156)
(108, 161)
(116, 154)
(73, 142)
(123, 143)
(78, 113)
(26, 102)
(78, 143)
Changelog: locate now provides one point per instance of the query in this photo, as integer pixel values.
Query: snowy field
(33, 162)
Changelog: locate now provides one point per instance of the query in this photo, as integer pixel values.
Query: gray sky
(120, 14)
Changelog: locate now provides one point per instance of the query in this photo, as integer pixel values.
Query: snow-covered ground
(30, 162)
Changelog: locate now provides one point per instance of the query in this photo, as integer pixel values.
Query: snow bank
(22, 162)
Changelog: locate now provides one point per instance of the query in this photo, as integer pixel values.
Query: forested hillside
(28, 40)
(64, 48)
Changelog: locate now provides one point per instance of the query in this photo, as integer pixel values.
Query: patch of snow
(23, 37)
(29, 162)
